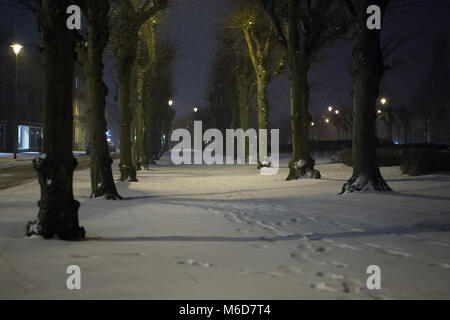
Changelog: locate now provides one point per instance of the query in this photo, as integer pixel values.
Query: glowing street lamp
(379, 111)
(327, 120)
(330, 108)
(383, 101)
(16, 48)
(313, 124)
(170, 103)
(195, 109)
(336, 111)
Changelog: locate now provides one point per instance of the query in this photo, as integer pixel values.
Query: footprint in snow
(193, 262)
(346, 246)
(270, 274)
(388, 251)
(329, 275)
(290, 269)
(322, 286)
(441, 264)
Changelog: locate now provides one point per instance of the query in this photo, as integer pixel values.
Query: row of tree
(427, 110)
(262, 37)
(128, 28)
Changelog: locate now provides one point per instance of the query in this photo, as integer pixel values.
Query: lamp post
(16, 48)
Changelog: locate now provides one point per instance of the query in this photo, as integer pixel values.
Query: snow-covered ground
(226, 232)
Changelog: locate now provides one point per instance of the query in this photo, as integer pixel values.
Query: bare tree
(90, 54)
(58, 210)
(368, 70)
(127, 18)
(303, 28)
(265, 54)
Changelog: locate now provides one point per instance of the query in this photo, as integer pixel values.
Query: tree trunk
(58, 210)
(368, 69)
(244, 115)
(127, 169)
(141, 158)
(406, 133)
(262, 114)
(390, 125)
(301, 164)
(102, 181)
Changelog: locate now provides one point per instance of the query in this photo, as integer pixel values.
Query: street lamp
(327, 120)
(16, 48)
(336, 111)
(330, 108)
(195, 109)
(170, 103)
(313, 124)
(383, 101)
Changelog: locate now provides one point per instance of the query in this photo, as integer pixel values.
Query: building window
(30, 138)
(22, 73)
(22, 99)
(24, 137)
(2, 73)
(2, 136)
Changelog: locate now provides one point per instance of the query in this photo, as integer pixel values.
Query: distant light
(327, 120)
(170, 102)
(195, 109)
(395, 142)
(16, 48)
(109, 140)
(336, 111)
(312, 123)
(379, 111)
(383, 101)
(330, 108)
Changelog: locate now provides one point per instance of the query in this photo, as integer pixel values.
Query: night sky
(193, 24)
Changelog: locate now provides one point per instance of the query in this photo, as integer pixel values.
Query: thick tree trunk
(127, 169)
(58, 210)
(301, 164)
(102, 181)
(368, 69)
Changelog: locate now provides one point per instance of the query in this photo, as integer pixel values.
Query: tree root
(361, 183)
(303, 170)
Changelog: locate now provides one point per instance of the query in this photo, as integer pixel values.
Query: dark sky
(193, 24)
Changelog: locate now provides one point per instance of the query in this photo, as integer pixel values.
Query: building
(80, 106)
(24, 106)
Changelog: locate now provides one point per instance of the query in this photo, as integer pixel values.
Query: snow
(226, 232)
